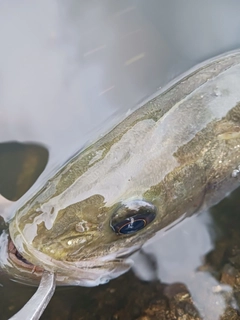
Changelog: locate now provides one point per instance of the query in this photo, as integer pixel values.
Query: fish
(176, 155)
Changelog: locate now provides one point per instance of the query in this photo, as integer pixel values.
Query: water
(68, 72)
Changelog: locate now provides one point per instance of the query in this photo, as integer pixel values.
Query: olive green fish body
(179, 153)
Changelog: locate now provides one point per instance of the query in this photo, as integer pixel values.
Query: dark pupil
(134, 223)
(132, 217)
(131, 227)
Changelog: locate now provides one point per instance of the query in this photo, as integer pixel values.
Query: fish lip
(16, 258)
(88, 274)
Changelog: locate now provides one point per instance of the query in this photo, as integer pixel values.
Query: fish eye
(132, 216)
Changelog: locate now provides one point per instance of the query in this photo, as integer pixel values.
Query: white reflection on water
(177, 255)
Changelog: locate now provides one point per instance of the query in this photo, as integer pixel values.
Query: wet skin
(175, 154)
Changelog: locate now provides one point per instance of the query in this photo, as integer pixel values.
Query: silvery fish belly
(175, 155)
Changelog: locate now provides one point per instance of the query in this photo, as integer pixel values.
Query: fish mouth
(82, 273)
(17, 259)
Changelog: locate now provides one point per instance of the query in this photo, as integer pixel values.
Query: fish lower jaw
(88, 273)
